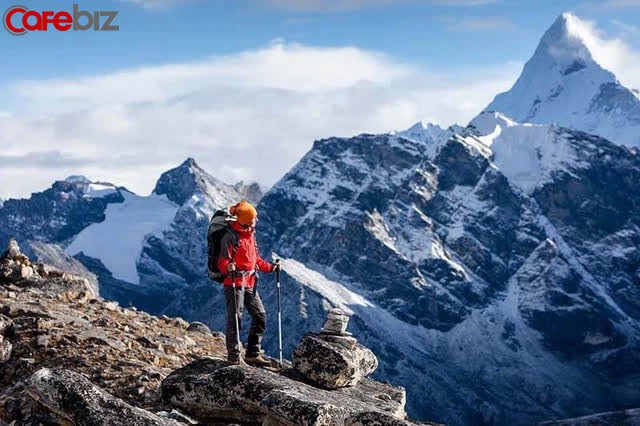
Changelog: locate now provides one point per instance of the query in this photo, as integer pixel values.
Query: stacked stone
(333, 358)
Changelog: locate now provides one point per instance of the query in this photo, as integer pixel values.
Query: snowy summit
(563, 84)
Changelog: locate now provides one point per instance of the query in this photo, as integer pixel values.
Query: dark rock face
(448, 242)
(386, 178)
(251, 192)
(54, 215)
(210, 388)
(181, 183)
(74, 398)
(333, 362)
(615, 418)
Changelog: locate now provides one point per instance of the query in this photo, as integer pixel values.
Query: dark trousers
(249, 299)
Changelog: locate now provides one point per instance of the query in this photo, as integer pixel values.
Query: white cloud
(251, 115)
(614, 53)
(618, 4)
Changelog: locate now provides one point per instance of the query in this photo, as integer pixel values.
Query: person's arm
(261, 264)
(226, 252)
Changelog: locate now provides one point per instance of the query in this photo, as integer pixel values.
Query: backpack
(218, 228)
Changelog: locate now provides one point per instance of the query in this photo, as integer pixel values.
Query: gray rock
(333, 361)
(212, 389)
(198, 327)
(336, 322)
(5, 350)
(13, 250)
(11, 271)
(373, 418)
(26, 272)
(177, 415)
(75, 398)
(43, 341)
(6, 324)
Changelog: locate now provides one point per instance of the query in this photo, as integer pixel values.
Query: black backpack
(218, 228)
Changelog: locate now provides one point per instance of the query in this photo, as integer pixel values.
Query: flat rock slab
(211, 389)
(72, 396)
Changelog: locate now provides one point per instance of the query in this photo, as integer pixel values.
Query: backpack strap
(235, 240)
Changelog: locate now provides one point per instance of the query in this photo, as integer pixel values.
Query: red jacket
(245, 256)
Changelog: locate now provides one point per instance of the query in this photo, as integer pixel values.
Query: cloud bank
(246, 116)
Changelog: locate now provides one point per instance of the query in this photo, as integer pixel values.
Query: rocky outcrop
(211, 388)
(17, 271)
(54, 255)
(74, 398)
(52, 320)
(75, 358)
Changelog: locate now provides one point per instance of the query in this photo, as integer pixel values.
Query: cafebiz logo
(19, 20)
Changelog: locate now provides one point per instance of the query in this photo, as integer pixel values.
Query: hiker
(239, 260)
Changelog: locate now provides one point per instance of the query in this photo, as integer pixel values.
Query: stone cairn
(333, 358)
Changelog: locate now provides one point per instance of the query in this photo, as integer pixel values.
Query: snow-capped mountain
(495, 297)
(423, 131)
(60, 212)
(563, 84)
(143, 249)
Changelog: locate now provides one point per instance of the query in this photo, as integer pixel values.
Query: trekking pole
(235, 304)
(279, 312)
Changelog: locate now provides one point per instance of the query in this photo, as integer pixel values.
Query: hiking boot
(257, 360)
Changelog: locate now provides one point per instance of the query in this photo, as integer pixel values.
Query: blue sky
(440, 35)
(261, 79)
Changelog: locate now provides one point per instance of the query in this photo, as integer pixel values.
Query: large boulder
(211, 389)
(74, 398)
(333, 361)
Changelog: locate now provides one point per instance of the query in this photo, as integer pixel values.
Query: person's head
(245, 214)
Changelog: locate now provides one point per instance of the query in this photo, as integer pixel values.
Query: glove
(231, 267)
(276, 267)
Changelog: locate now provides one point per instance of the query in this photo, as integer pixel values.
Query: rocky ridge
(53, 319)
(69, 356)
